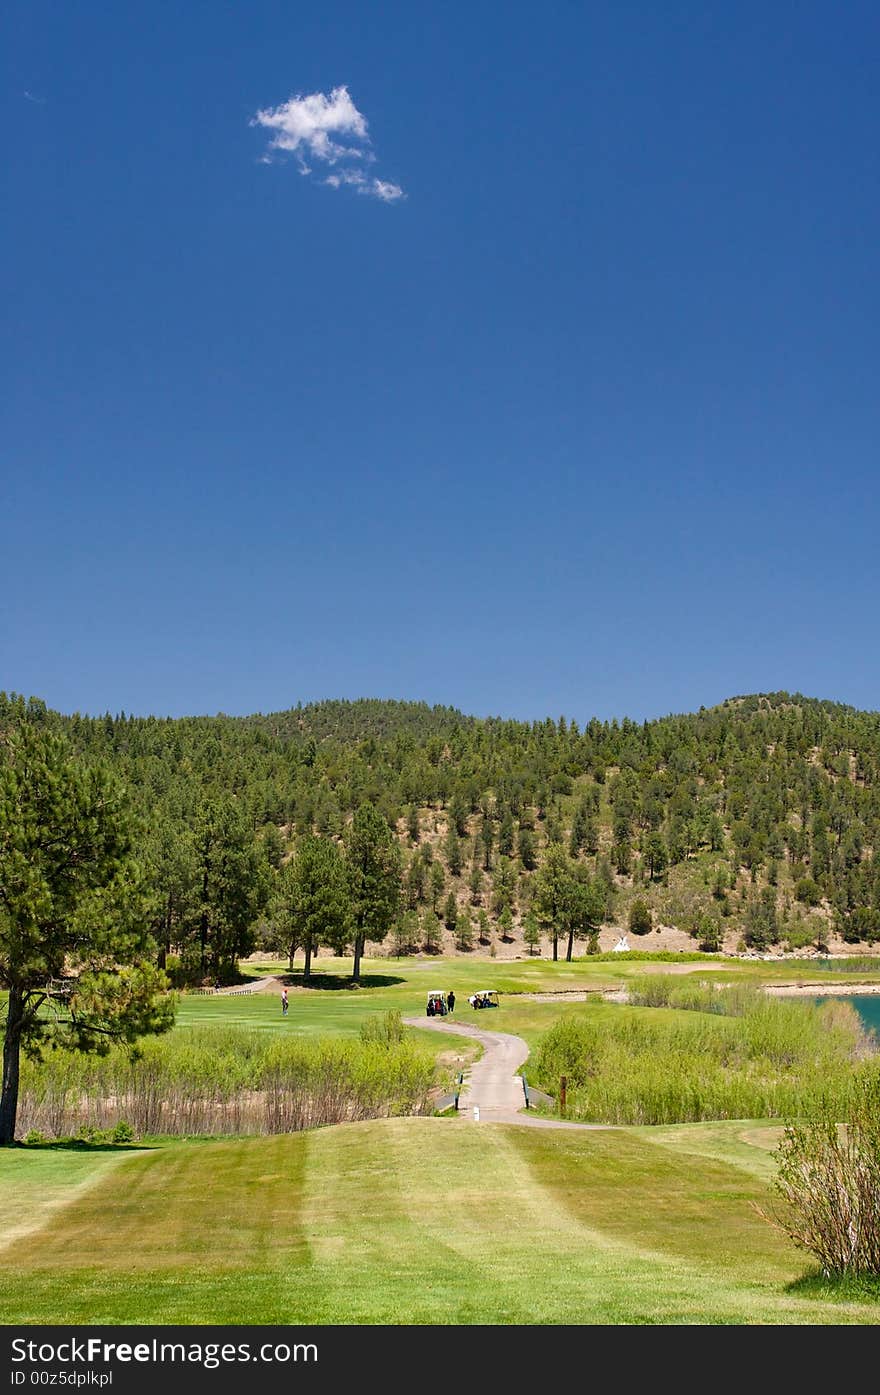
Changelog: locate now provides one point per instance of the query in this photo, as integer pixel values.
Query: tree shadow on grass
(837, 1288)
(80, 1145)
(335, 981)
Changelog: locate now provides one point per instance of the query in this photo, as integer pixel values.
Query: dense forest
(752, 824)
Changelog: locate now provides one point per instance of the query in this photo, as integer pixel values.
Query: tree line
(778, 793)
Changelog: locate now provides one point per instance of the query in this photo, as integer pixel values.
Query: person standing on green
(451, 1000)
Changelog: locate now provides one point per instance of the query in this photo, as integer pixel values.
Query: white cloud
(379, 188)
(313, 128)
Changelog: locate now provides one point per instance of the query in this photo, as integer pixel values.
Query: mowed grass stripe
(36, 1183)
(181, 1206)
(415, 1220)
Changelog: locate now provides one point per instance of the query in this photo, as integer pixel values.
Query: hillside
(751, 825)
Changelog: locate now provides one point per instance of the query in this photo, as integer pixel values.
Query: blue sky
(585, 421)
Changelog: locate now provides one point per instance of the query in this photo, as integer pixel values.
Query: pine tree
(438, 882)
(75, 958)
(373, 859)
(506, 835)
(453, 851)
(432, 936)
(450, 912)
(531, 933)
(476, 886)
(464, 932)
(526, 848)
(487, 838)
(641, 919)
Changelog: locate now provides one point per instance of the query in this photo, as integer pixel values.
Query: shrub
(828, 1186)
(641, 919)
(861, 924)
(386, 1029)
(707, 932)
(807, 891)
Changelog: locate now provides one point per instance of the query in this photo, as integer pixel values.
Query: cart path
(492, 1083)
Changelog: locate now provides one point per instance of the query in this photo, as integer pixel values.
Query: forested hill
(757, 818)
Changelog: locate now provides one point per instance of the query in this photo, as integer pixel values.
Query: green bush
(807, 891)
(387, 1029)
(641, 918)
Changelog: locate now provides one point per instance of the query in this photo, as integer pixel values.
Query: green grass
(35, 1182)
(413, 1221)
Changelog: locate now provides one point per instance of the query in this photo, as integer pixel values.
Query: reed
(761, 1058)
(225, 1081)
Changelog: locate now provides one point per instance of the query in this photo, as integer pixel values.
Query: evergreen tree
(432, 938)
(464, 933)
(655, 855)
(233, 886)
(476, 886)
(526, 849)
(554, 894)
(485, 933)
(622, 856)
(487, 838)
(314, 900)
(438, 882)
(373, 861)
(458, 815)
(72, 912)
(453, 851)
(172, 875)
(531, 933)
(641, 919)
(450, 912)
(506, 835)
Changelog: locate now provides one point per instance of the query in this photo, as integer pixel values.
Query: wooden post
(563, 1081)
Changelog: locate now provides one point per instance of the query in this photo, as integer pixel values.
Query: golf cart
(437, 1005)
(486, 997)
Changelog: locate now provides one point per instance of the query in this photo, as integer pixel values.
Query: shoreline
(821, 990)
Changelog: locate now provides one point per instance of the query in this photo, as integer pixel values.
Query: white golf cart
(485, 998)
(437, 1005)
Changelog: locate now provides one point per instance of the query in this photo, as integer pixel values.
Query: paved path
(491, 1084)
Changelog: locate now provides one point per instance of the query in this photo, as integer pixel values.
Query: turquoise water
(867, 1005)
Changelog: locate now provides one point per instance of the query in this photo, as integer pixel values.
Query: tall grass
(225, 1081)
(856, 963)
(734, 1054)
(694, 995)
